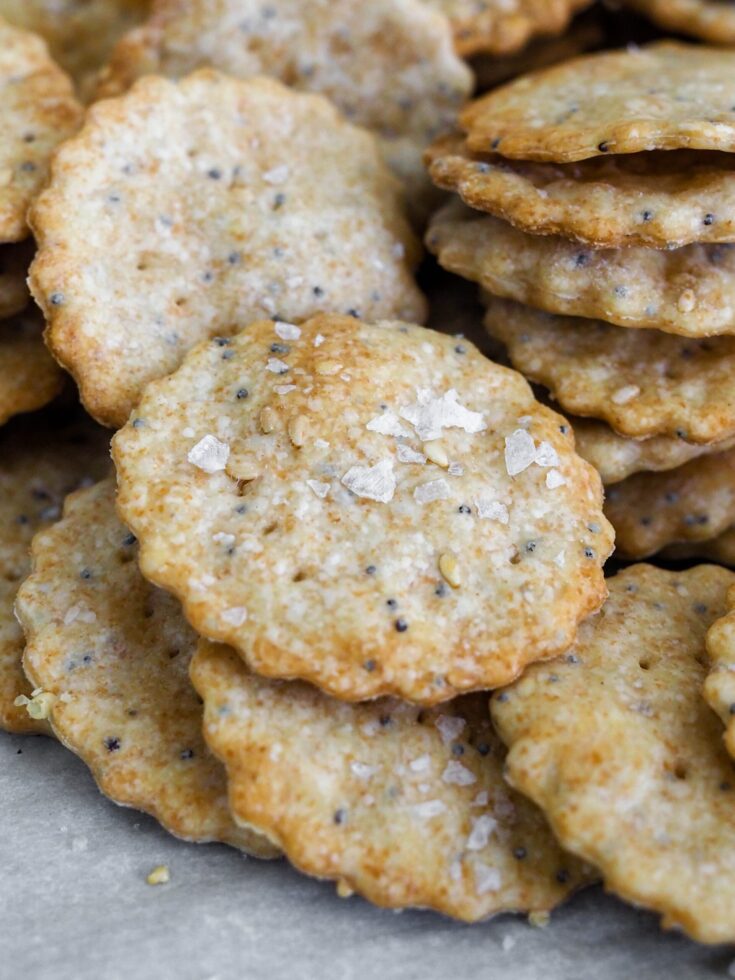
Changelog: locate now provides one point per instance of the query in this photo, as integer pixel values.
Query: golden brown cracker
(719, 686)
(720, 549)
(712, 21)
(29, 376)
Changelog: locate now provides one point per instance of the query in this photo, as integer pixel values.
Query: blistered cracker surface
(719, 687)
(635, 779)
(14, 294)
(406, 807)
(29, 377)
(665, 96)
(689, 291)
(655, 200)
(502, 27)
(389, 65)
(720, 549)
(199, 206)
(40, 463)
(594, 368)
(693, 503)
(114, 653)
(318, 553)
(709, 20)
(37, 111)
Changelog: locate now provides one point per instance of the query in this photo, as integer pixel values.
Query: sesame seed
(267, 419)
(449, 568)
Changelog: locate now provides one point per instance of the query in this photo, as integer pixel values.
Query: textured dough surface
(29, 376)
(719, 686)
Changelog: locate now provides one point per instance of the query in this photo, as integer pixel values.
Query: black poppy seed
(589, 553)
(29, 166)
(339, 816)
(401, 625)
(464, 509)
(277, 348)
(483, 168)
(57, 299)
(278, 201)
(317, 290)
(354, 313)
(603, 147)
(228, 355)
(646, 521)
(370, 666)
(709, 219)
(530, 547)
(483, 748)
(519, 853)
(581, 260)
(241, 509)
(132, 713)
(725, 787)
(562, 876)
(647, 215)
(129, 540)
(495, 143)
(441, 589)
(563, 429)
(29, 138)
(186, 754)
(671, 497)
(385, 720)
(457, 749)
(631, 588)
(138, 423)
(85, 573)
(214, 174)
(112, 744)
(234, 257)
(207, 276)
(241, 393)
(621, 290)
(222, 341)
(21, 519)
(502, 697)
(700, 608)
(460, 349)
(572, 658)
(391, 603)
(692, 520)
(370, 570)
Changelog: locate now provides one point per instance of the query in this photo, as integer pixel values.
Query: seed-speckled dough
(336, 502)
(192, 214)
(689, 291)
(14, 296)
(113, 654)
(37, 111)
(501, 27)
(406, 807)
(720, 549)
(719, 687)
(709, 20)
(665, 96)
(41, 463)
(654, 200)
(641, 382)
(29, 377)
(695, 502)
(389, 65)
(635, 778)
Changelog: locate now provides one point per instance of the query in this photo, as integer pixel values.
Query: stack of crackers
(338, 591)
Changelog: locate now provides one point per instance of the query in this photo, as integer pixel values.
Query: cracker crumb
(539, 920)
(159, 876)
(343, 889)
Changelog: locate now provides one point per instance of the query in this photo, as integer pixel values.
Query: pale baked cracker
(40, 462)
(37, 111)
(709, 20)
(693, 503)
(654, 200)
(720, 549)
(112, 654)
(719, 687)
(215, 201)
(389, 65)
(14, 295)
(617, 746)
(689, 291)
(641, 382)
(502, 27)
(664, 96)
(267, 498)
(405, 806)
(29, 377)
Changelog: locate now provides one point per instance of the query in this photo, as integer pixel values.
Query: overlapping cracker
(406, 807)
(112, 653)
(14, 295)
(29, 377)
(689, 291)
(40, 462)
(720, 549)
(198, 217)
(617, 746)
(693, 503)
(709, 20)
(389, 65)
(37, 111)
(641, 382)
(719, 686)
(501, 27)
(653, 200)
(342, 502)
(665, 96)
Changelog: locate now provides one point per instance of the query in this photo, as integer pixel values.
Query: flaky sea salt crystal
(320, 489)
(625, 394)
(407, 455)
(372, 482)
(387, 424)
(283, 389)
(455, 469)
(363, 771)
(319, 340)
(554, 479)
(276, 175)
(421, 764)
(429, 808)
(450, 727)
(487, 879)
(482, 827)
(235, 615)
(434, 490)
(481, 799)
(287, 331)
(276, 366)
(520, 452)
(546, 455)
(222, 537)
(209, 454)
(429, 415)
(458, 774)
(489, 509)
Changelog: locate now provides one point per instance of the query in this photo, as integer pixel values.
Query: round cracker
(693, 503)
(636, 779)
(689, 291)
(404, 806)
(719, 687)
(651, 200)
(113, 653)
(197, 218)
(29, 377)
(664, 96)
(287, 524)
(37, 111)
(393, 71)
(594, 368)
(14, 296)
(41, 462)
(709, 20)
(720, 549)
(501, 27)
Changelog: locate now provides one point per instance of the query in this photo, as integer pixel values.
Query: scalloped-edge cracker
(617, 746)
(712, 21)
(14, 295)
(720, 549)
(641, 382)
(111, 654)
(342, 501)
(29, 377)
(404, 806)
(719, 686)
(664, 96)
(198, 218)
(693, 503)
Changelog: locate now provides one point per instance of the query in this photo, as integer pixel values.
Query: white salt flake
(276, 366)
(489, 509)
(450, 727)
(458, 774)
(319, 340)
(80, 613)
(520, 452)
(625, 394)
(283, 389)
(455, 469)
(188, 432)
(276, 175)
(426, 493)
(487, 879)
(421, 764)
(554, 479)
(546, 455)
(209, 454)
(387, 424)
(372, 482)
(221, 537)
(429, 415)
(235, 615)
(320, 489)
(287, 331)
(429, 808)
(560, 560)
(363, 771)
(481, 799)
(482, 827)
(407, 455)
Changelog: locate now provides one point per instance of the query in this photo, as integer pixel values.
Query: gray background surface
(75, 906)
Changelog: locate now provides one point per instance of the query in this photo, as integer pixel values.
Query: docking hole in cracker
(405, 806)
(636, 780)
(709, 20)
(641, 382)
(112, 653)
(342, 502)
(197, 219)
(29, 376)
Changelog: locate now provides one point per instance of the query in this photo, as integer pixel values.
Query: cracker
(198, 218)
(14, 295)
(636, 780)
(41, 461)
(708, 20)
(37, 111)
(389, 65)
(653, 200)
(293, 525)
(665, 96)
(594, 368)
(29, 376)
(689, 291)
(719, 687)
(112, 653)
(693, 503)
(720, 549)
(502, 27)
(404, 806)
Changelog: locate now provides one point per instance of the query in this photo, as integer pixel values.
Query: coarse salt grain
(387, 424)
(209, 454)
(450, 727)
(276, 175)
(407, 455)
(287, 331)
(429, 415)
(491, 510)
(482, 827)
(458, 774)
(428, 809)
(520, 452)
(554, 479)
(320, 489)
(319, 340)
(222, 537)
(421, 764)
(487, 879)
(235, 615)
(284, 389)
(363, 771)
(625, 394)
(376, 482)
(426, 493)
(276, 366)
